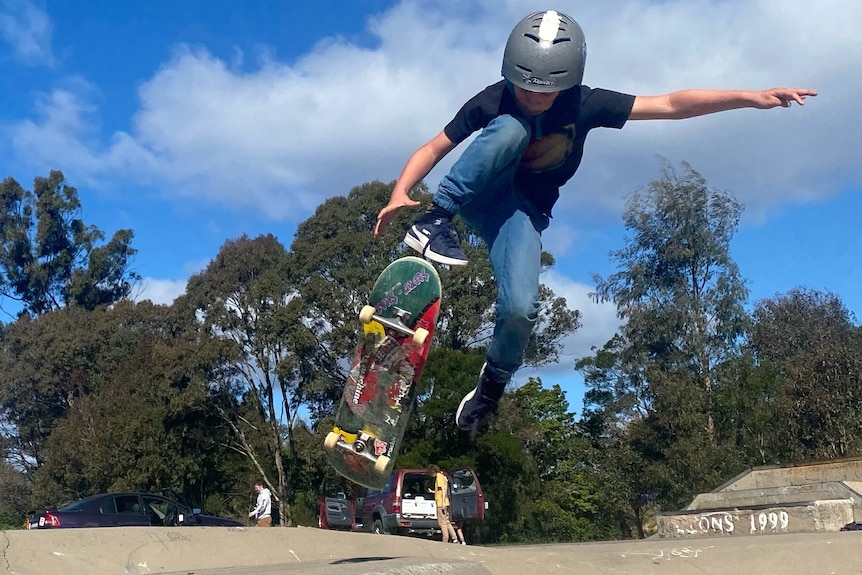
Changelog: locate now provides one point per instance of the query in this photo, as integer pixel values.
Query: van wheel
(377, 528)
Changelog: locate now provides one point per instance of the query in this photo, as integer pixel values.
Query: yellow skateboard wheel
(420, 335)
(367, 313)
(331, 440)
(381, 464)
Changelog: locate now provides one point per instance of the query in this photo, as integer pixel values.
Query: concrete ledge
(773, 496)
(764, 477)
(824, 516)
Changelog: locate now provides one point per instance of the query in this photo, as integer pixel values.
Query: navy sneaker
(479, 403)
(432, 236)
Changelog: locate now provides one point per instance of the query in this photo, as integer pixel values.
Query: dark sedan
(124, 510)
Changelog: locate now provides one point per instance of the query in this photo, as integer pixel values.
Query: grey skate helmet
(546, 52)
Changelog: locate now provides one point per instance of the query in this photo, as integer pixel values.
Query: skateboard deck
(373, 411)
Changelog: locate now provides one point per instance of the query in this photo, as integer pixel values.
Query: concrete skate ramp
(288, 551)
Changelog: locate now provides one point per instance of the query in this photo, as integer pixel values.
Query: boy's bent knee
(509, 131)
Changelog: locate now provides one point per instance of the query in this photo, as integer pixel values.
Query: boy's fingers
(382, 221)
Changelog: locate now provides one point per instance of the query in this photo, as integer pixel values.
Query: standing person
(456, 525)
(533, 126)
(441, 499)
(262, 512)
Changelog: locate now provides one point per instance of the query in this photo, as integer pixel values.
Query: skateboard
(397, 328)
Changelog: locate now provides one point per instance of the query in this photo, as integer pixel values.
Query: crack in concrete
(6, 566)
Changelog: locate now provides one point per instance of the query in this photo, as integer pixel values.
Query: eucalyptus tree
(679, 292)
(654, 388)
(50, 258)
(809, 342)
(248, 296)
(139, 415)
(48, 362)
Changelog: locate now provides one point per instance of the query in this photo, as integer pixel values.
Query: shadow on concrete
(363, 560)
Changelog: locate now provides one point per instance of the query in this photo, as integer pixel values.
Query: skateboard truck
(362, 444)
(367, 315)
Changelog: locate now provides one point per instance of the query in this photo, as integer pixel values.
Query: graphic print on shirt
(549, 152)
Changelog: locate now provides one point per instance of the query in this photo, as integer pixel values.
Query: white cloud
(28, 30)
(161, 291)
(599, 323)
(280, 137)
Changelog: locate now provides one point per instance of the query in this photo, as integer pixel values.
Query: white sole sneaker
(467, 398)
(419, 242)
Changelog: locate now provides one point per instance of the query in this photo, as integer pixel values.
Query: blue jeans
(480, 186)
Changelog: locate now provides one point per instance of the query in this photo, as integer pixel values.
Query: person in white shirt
(262, 512)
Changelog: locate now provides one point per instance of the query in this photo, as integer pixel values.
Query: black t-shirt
(557, 145)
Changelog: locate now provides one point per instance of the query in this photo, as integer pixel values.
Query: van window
(462, 481)
(415, 485)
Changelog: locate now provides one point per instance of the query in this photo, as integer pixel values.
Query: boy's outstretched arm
(691, 103)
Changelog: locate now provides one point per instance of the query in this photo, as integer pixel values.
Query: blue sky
(193, 122)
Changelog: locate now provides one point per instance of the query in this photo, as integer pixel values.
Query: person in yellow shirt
(441, 498)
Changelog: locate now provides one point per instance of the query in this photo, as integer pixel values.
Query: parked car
(124, 510)
(340, 512)
(405, 505)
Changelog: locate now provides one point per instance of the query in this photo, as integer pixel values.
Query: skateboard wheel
(331, 440)
(367, 314)
(420, 335)
(381, 464)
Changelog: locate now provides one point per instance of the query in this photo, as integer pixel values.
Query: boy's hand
(389, 211)
(775, 97)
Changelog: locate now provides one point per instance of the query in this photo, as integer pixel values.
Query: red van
(405, 505)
